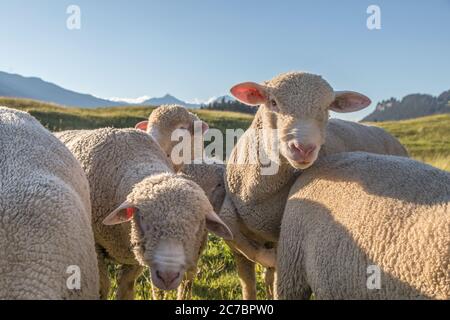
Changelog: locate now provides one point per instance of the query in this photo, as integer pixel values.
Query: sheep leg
(127, 278)
(247, 276)
(252, 250)
(286, 290)
(287, 286)
(105, 282)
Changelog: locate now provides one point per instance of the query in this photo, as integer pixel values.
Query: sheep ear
(215, 225)
(349, 101)
(250, 93)
(143, 125)
(123, 213)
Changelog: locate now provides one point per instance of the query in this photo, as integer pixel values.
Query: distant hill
(410, 107)
(57, 118)
(426, 138)
(169, 99)
(225, 98)
(17, 86)
(227, 103)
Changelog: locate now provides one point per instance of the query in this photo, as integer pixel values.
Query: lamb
(163, 122)
(366, 226)
(293, 116)
(209, 176)
(47, 248)
(143, 212)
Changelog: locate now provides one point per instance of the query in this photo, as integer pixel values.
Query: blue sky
(199, 49)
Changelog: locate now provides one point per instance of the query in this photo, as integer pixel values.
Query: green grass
(216, 278)
(427, 139)
(57, 118)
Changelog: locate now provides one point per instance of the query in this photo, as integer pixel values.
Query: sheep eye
(273, 103)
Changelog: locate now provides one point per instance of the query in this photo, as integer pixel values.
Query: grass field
(427, 139)
(57, 118)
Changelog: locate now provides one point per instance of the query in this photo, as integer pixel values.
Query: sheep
(366, 226)
(143, 212)
(209, 176)
(46, 240)
(294, 116)
(247, 249)
(163, 122)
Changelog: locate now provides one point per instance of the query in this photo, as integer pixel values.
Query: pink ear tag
(129, 213)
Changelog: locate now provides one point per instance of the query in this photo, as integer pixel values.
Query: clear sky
(199, 49)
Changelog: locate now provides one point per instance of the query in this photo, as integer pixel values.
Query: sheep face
(168, 216)
(297, 106)
(166, 119)
(210, 177)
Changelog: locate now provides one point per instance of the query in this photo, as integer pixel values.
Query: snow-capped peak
(138, 100)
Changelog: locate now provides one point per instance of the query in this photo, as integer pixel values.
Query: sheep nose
(167, 277)
(301, 151)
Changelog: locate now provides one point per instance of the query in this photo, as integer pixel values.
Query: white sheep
(47, 248)
(144, 214)
(209, 176)
(162, 124)
(366, 226)
(293, 115)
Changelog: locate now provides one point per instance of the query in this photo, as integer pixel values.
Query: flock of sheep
(344, 200)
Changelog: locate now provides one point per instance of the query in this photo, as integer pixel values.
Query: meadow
(427, 139)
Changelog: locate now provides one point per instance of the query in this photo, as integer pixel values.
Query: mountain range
(17, 86)
(411, 106)
(14, 85)
(169, 99)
